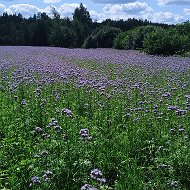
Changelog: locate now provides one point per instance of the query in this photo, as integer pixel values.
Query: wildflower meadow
(93, 119)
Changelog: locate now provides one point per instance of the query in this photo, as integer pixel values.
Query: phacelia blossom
(68, 112)
(36, 180)
(38, 130)
(88, 187)
(97, 174)
(84, 133)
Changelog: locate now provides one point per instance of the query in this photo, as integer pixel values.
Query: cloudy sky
(165, 11)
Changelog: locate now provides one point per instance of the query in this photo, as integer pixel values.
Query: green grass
(134, 149)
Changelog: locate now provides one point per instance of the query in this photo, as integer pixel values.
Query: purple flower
(58, 128)
(95, 173)
(181, 112)
(101, 180)
(38, 130)
(88, 187)
(172, 107)
(35, 180)
(47, 175)
(68, 112)
(84, 133)
(53, 122)
(166, 94)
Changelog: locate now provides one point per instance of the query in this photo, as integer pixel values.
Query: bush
(119, 41)
(133, 39)
(165, 42)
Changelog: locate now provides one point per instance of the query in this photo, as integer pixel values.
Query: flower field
(93, 119)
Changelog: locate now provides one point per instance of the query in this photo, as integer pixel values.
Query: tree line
(80, 31)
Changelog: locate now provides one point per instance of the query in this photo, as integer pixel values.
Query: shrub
(133, 39)
(165, 42)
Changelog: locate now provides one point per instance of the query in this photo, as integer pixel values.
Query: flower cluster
(47, 175)
(35, 180)
(88, 187)
(54, 124)
(38, 130)
(84, 134)
(97, 175)
(67, 112)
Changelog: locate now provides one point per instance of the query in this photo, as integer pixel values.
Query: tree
(81, 25)
(55, 13)
(41, 28)
(82, 15)
(102, 37)
(184, 28)
(60, 36)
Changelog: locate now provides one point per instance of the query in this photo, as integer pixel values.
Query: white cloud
(25, 9)
(128, 8)
(66, 10)
(173, 2)
(2, 9)
(167, 17)
(48, 10)
(52, 1)
(99, 17)
(124, 11)
(136, 10)
(112, 1)
(187, 11)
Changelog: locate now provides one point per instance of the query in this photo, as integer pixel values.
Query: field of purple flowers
(96, 119)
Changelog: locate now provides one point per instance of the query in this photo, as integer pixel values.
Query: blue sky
(165, 11)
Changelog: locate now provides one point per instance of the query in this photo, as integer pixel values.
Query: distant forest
(80, 31)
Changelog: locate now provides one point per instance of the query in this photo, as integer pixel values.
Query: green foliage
(139, 34)
(131, 23)
(82, 15)
(120, 41)
(102, 37)
(81, 25)
(184, 28)
(166, 42)
(60, 36)
(41, 29)
(81, 31)
(133, 39)
(156, 40)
